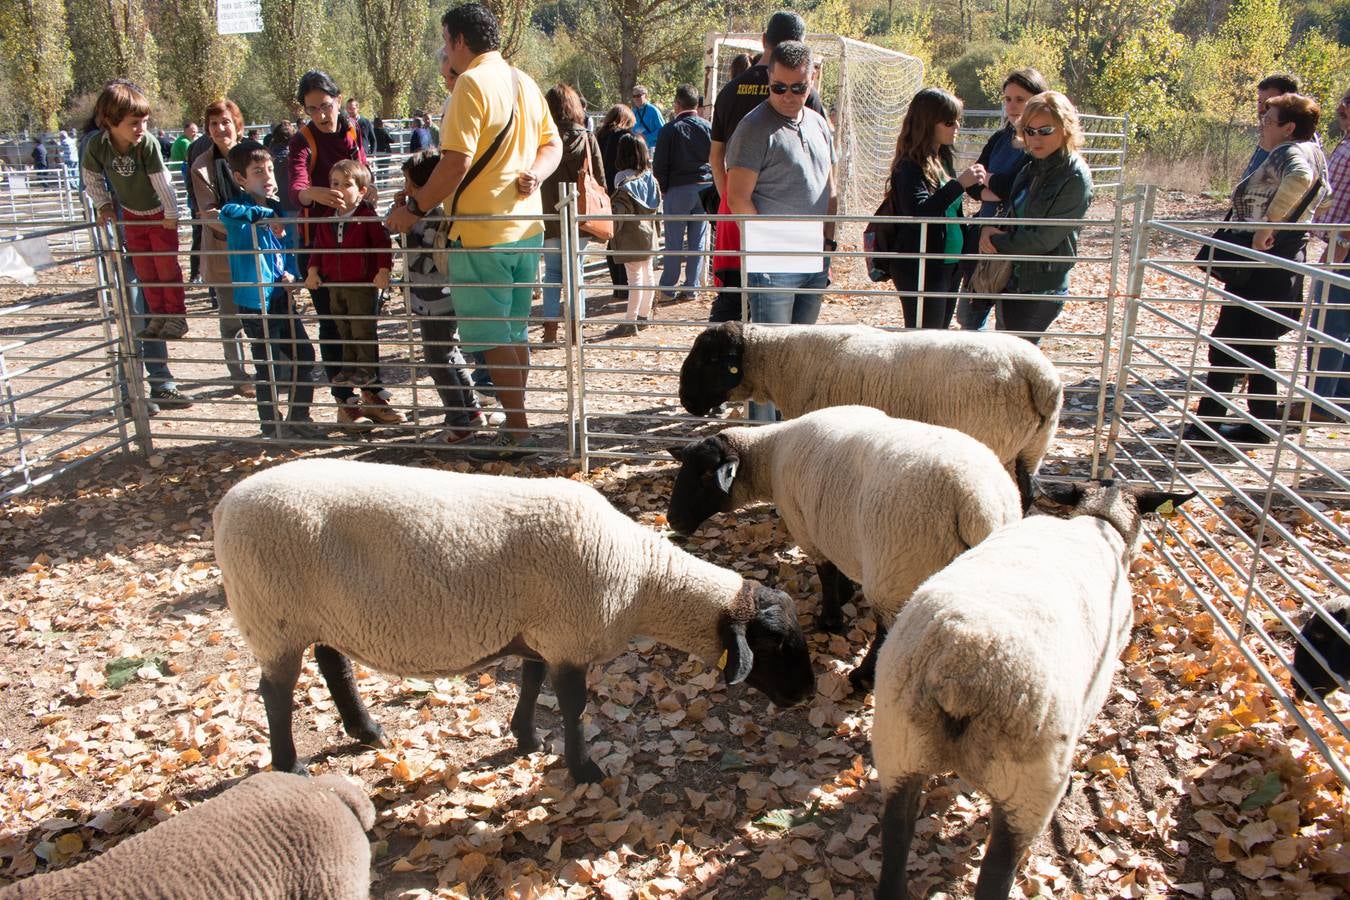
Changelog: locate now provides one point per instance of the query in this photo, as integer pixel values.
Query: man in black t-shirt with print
(736, 98)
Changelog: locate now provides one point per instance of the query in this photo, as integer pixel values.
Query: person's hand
(171, 225)
(381, 280)
(527, 183)
(278, 230)
(972, 176)
(106, 214)
(400, 219)
(312, 280)
(1263, 239)
(322, 196)
(986, 238)
(287, 278)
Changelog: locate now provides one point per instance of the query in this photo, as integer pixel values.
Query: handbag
(593, 201)
(881, 237)
(992, 271)
(1235, 277)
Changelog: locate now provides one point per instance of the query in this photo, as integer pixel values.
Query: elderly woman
(1056, 184)
(1287, 187)
(579, 146)
(1003, 157)
(212, 187)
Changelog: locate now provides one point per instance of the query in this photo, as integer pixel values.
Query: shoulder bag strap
(482, 161)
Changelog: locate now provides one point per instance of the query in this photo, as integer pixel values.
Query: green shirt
(956, 238)
(138, 178)
(179, 151)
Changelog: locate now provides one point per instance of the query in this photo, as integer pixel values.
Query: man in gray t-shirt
(780, 162)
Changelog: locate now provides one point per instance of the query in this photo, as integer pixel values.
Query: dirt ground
(126, 695)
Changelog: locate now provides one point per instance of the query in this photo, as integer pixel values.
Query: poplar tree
(289, 45)
(115, 42)
(200, 62)
(36, 52)
(391, 31)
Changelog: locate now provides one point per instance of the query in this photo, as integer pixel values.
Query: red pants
(160, 276)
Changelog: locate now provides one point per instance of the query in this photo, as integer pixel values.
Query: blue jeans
(553, 277)
(154, 354)
(1033, 316)
(1332, 365)
(785, 307)
(683, 234)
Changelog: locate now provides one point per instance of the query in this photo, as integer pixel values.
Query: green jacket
(1057, 187)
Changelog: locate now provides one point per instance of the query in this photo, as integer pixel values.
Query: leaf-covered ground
(126, 695)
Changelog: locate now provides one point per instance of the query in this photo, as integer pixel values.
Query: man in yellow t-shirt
(487, 92)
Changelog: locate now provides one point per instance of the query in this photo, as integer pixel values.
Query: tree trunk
(388, 99)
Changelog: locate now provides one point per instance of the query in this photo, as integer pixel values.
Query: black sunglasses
(799, 88)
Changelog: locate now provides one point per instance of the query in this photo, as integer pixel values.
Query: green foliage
(1323, 69)
(640, 40)
(913, 37)
(964, 75)
(37, 57)
(286, 47)
(391, 32)
(115, 42)
(1145, 78)
(513, 21)
(1040, 47)
(193, 56)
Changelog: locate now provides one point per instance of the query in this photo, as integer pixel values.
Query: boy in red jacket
(355, 273)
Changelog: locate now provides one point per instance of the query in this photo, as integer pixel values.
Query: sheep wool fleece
(997, 388)
(272, 835)
(999, 662)
(887, 501)
(466, 567)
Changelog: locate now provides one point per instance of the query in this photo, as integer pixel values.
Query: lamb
(997, 388)
(997, 665)
(1319, 635)
(272, 835)
(880, 501)
(425, 573)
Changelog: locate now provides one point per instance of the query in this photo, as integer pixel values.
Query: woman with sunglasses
(1003, 157)
(1056, 184)
(924, 183)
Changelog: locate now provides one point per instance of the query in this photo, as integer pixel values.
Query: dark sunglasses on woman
(799, 88)
(1043, 131)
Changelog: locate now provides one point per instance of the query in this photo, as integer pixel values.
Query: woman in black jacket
(924, 183)
(617, 122)
(1003, 157)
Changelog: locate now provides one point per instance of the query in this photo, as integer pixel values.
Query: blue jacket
(243, 220)
(649, 122)
(682, 150)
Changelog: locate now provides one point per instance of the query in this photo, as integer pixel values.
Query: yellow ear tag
(722, 660)
(1167, 510)
(732, 369)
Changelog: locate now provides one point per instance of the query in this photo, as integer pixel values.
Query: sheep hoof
(526, 743)
(588, 773)
(299, 767)
(831, 624)
(861, 681)
(372, 736)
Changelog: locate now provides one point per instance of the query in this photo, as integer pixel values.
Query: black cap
(784, 25)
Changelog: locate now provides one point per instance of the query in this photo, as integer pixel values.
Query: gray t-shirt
(793, 160)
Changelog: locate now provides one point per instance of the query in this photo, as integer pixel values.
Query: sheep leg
(569, 683)
(897, 833)
(999, 869)
(835, 590)
(277, 688)
(522, 720)
(337, 674)
(863, 678)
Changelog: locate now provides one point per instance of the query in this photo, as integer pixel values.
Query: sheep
(424, 573)
(997, 665)
(272, 835)
(880, 501)
(997, 388)
(1319, 635)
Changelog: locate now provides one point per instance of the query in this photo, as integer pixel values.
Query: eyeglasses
(1043, 131)
(799, 88)
(326, 106)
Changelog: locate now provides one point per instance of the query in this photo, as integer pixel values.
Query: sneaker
(304, 430)
(377, 409)
(357, 377)
(172, 328)
(244, 389)
(505, 447)
(478, 422)
(665, 297)
(682, 296)
(624, 330)
(170, 398)
(151, 330)
(343, 376)
(349, 415)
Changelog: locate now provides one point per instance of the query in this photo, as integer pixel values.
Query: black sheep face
(703, 484)
(782, 663)
(713, 368)
(1333, 648)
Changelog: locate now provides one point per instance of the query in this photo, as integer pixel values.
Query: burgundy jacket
(357, 263)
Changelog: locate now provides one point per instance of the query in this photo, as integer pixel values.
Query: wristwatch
(411, 203)
(831, 245)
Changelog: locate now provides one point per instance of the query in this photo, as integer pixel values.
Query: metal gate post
(1139, 244)
(578, 437)
(134, 388)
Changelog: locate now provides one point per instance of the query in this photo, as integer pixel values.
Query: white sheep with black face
(272, 835)
(998, 664)
(874, 500)
(997, 388)
(425, 573)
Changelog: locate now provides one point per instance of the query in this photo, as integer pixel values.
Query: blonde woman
(1056, 184)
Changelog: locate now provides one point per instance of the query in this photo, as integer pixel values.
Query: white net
(867, 88)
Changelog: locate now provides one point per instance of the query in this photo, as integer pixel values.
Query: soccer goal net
(865, 88)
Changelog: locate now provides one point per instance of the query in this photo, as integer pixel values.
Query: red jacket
(358, 238)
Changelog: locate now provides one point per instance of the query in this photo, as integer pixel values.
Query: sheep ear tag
(726, 474)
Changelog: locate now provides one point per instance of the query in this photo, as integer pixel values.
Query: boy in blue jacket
(282, 354)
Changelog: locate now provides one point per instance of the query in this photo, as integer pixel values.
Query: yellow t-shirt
(479, 109)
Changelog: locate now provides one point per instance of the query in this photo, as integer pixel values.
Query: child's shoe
(172, 328)
(343, 377)
(359, 377)
(150, 331)
(375, 406)
(350, 414)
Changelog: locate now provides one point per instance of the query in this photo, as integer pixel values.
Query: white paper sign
(802, 244)
(238, 16)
